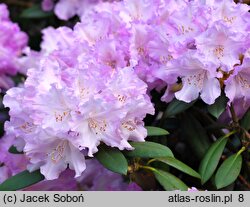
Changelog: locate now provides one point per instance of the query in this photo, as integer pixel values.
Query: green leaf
(212, 158)
(195, 134)
(178, 165)
(149, 150)
(13, 150)
(169, 181)
(156, 131)
(245, 121)
(35, 12)
(21, 180)
(218, 107)
(112, 159)
(228, 171)
(175, 107)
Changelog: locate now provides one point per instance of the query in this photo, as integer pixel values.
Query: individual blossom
(235, 16)
(12, 42)
(238, 83)
(141, 10)
(10, 164)
(52, 39)
(147, 53)
(240, 107)
(198, 78)
(222, 46)
(184, 25)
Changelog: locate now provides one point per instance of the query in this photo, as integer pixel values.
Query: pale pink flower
(238, 83)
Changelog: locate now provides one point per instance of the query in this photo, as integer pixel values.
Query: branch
(243, 180)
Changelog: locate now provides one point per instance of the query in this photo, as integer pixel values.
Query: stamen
(164, 59)
(97, 126)
(27, 127)
(196, 80)
(57, 154)
(219, 51)
(229, 20)
(140, 50)
(121, 98)
(111, 63)
(60, 116)
(243, 82)
(185, 30)
(83, 92)
(129, 125)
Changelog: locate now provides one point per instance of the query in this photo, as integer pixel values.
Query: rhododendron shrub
(132, 87)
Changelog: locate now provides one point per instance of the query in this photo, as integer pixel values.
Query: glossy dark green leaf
(212, 157)
(218, 107)
(175, 107)
(156, 131)
(35, 12)
(178, 165)
(228, 171)
(112, 159)
(13, 150)
(149, 150)
(168, 181)
(21, 180)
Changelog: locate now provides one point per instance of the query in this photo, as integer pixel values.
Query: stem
(150, 161)
(244, 141)
(241, 150)
(234, 116)
(229, 134)
(243, 180)
(147, 168)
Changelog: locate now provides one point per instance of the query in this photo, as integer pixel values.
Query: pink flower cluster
(208, 42)
(194, 48)
(71, 102)
(191, 48)
(12, 42)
